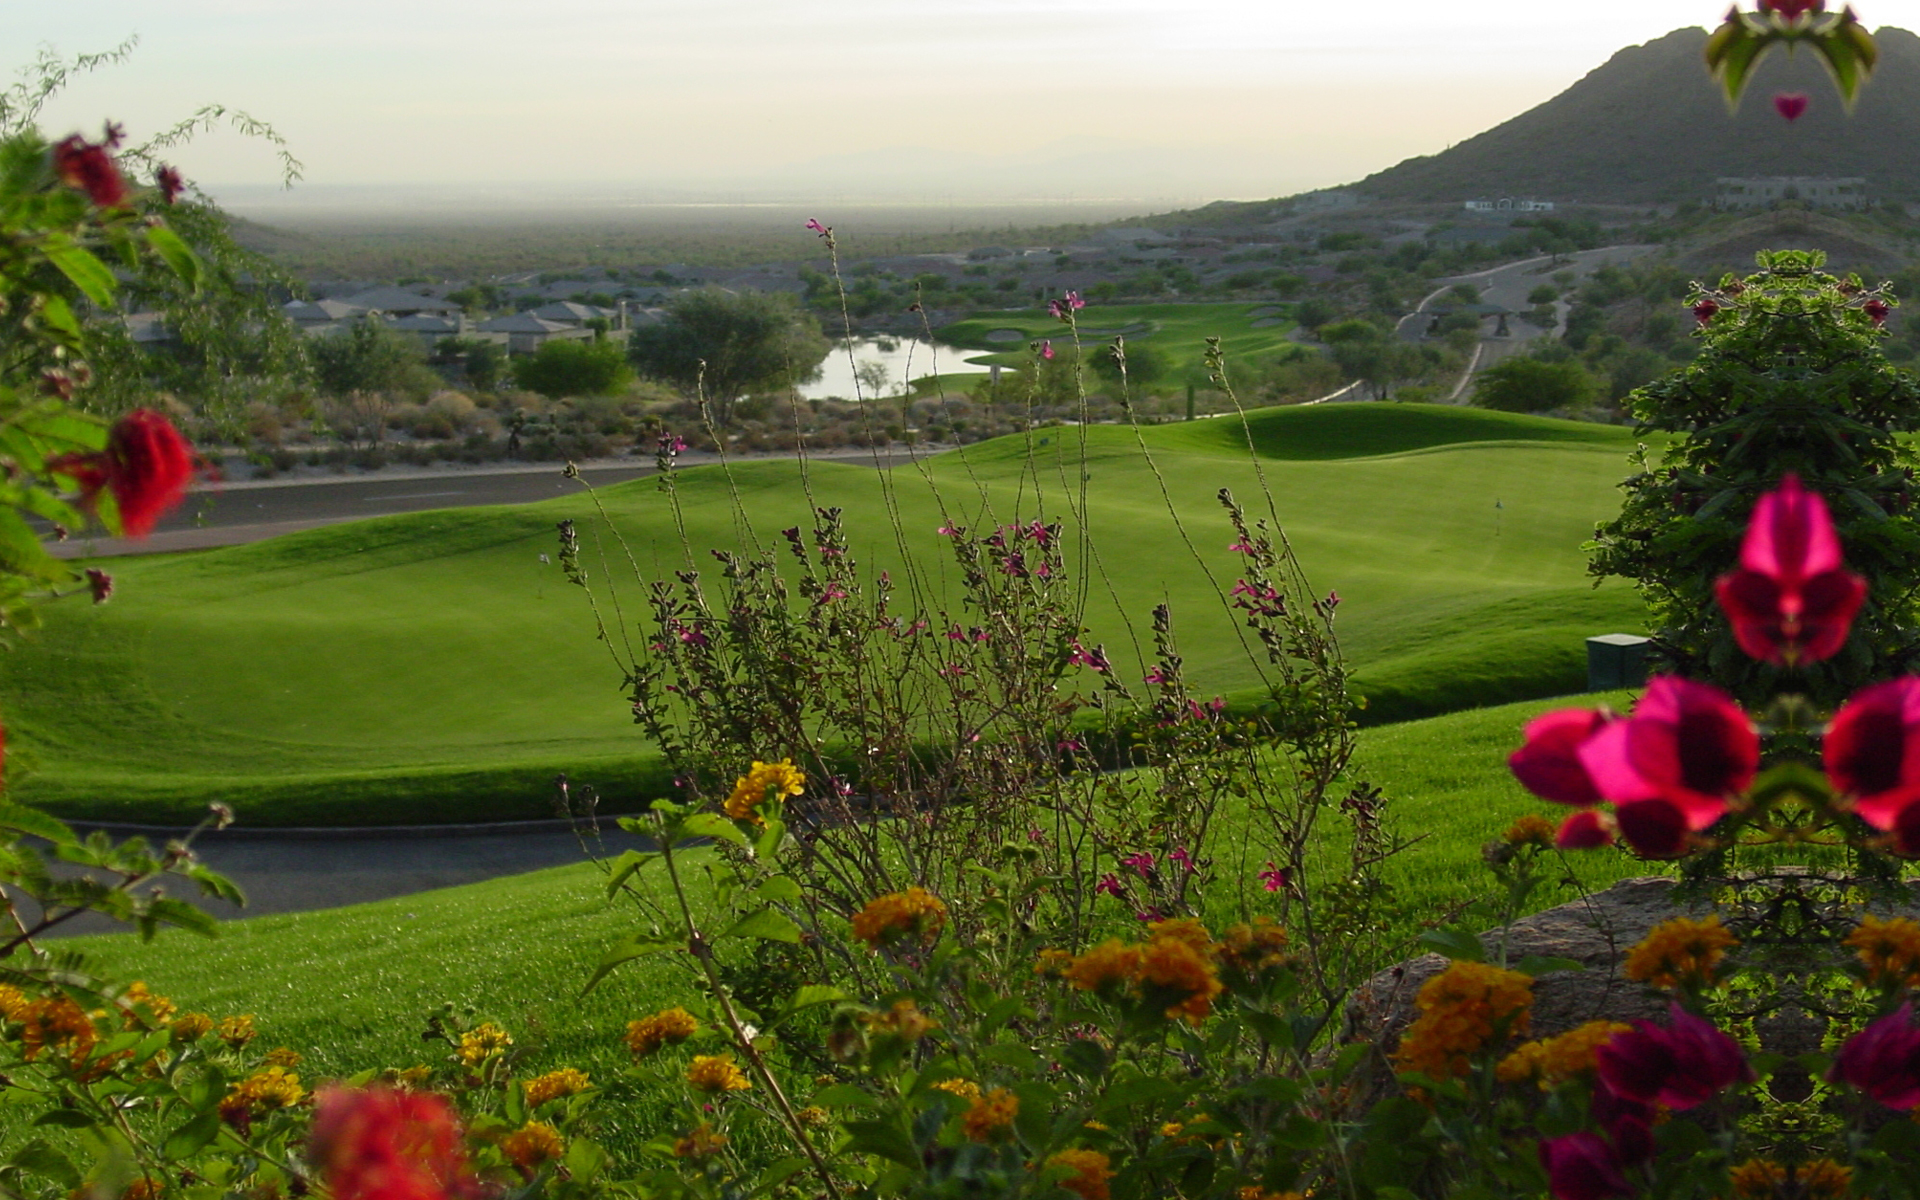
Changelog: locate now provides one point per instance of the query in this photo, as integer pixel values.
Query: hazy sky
(1205, 97)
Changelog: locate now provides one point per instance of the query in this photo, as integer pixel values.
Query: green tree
(1790, 377)
(1526, 384)
(574, 368)
(1146, 366)
(726, 344)
(369, 357)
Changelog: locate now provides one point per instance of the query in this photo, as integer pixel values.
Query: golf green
(434, 667)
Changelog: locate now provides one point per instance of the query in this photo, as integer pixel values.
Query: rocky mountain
(1649, 126)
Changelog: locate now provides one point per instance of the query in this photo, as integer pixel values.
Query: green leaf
(625, 866)
(57, 316)
(179, 257)
(190, 1138)
(883, 1139)
(626, 950)
(778, 1174)
(585, 1160)
(814, 994)
(40, 1158)
(1850, 55)
(79, 265)
(713, 825)
(31, 821)
(1537, 965)
(1010, 1054)
(70, 1118)
(1144, 1089)
(843, 1095)
(769, 925)
(1732, 51)
(780, 889)
(1456, 942)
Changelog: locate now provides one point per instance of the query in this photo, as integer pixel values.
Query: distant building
(1764, 191)
(523, 333)
(1328, 201)
(1510, 204)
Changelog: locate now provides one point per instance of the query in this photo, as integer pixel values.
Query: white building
(1764, 191)
(1512, 204)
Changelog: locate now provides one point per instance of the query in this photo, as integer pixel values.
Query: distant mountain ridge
(1649, 126)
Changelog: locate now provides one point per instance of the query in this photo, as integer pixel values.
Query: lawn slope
(432, 667)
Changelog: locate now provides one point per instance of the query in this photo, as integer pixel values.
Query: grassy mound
(431, 667)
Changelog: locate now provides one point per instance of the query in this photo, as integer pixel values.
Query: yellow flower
(1529, 830)
(482, 1042)
(1821, 1179)
(532, 1144)
(191, 1027)
(263, 1091)
(1171, 967)
(764, 782)
(1171, 1130)
(1890, 950)
(989, 1114)
(1824, 1178)
(1182, 929)
(1680, 950)
(716, 1073)
(1106, 965)
(1053, 964)
(410, 1080)
(237, 1031)
(143, 1188)
(703, 1142)
(1252, 949)
(1555, 1060)
(966, 1089)
(1090, 1173)
(13, 1002)
(1757, 1177)
(555, 1084)
(280, 1056)
(159, 1008)
(1460, 1011)
(812, 1115)
(1255, 1193)
(648, 1034)
(904, 1020)
(56, 1022)
(915, 911)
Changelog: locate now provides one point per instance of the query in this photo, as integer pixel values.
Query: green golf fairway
(1250, 333)
(429, 667)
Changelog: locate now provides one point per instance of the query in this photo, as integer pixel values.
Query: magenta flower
(1070, 745)
(1585, 830)
(1582, 1166)
(1180, 856)
(1548, 763)
(1055, 311)
(1682, 1065)
(1877, 310)
(1790, 601)
(1074, 301)
(1141, 863)
(1705, 311)
(1686, 749)
(1241, 547)
(1790, 105)
(815, 225)
(1093, 660)
(1883, 1060)
(1156, 676)
(690, 636)
(1872, 750)
(1046, 349)
(1111, 885)
(89, 168)
(170, 183)
(1273, 878)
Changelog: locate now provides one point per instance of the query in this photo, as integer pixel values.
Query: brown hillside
(1649, 127)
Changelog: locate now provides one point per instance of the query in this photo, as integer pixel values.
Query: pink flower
(1790, 601)
(1241, 547)
(816, 226)
(1094, 659)
(1179, 855)
(1110, 885)
(1046, 349)
(689, 636)
(1671, 767)
(1883, 1060)
(1141, 863)
(1156, 676)
(1582, 1166)
(948, 530)
(1790, 104)
(1679, 1066)
(1074, 301)
(1070, 745)
(1872, 751)
(1587, 829)
(1791, 10)
(1273, 878)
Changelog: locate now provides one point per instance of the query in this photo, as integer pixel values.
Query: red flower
(1883, 1060)
(387, 1145)
(1582, 1166)
(1705, 311)
(1686, 748)
(1790, 10)
(1584, 830)
(170, 183)
(1790, 105)
(1872, 750)
(146, 465)
(1790, 601)
(1549, 765)
(89, 168)
(1877, 310)
(100, 584)
(1679, 1066)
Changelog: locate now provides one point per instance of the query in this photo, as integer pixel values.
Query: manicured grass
(1250, 333)
(344, 986)
(429, 667)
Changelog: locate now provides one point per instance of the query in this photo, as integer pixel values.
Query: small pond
(901, 359)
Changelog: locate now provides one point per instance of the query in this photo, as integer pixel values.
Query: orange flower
(648, 1034)
(1461, 1009)
(532, 1144)
(989, 1114)
(1889, 950)
(915, 911)
(716, 1073)
(1106, 965)
(1172, 967)
(762, 783)
(1090, 1173)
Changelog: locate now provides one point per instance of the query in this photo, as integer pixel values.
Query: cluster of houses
(1764, 191)
(433, 320)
